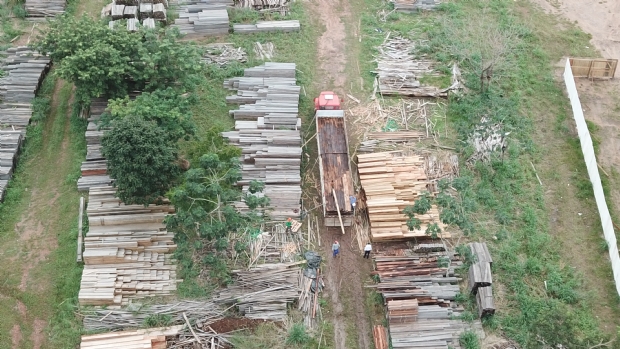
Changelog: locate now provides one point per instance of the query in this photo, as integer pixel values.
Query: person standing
(289, 225)
(367, 250)
(353, 201)
(336, 248)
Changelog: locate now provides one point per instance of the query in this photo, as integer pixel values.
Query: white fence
(595, 178)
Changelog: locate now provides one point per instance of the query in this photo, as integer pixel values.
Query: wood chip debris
(224, 53)
(276, 6)
(488, 138)
(264, 51)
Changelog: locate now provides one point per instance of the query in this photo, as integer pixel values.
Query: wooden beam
(338, 210)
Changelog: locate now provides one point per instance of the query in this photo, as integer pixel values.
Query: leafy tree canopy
(166, 107)
(141, 158)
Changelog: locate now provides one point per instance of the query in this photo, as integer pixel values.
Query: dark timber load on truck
(336, 181)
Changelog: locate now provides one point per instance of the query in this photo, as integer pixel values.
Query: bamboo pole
(338, 210)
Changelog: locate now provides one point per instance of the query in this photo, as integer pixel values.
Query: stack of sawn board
(128, 252)
(151, 338)
(25, 69)
(392, 181)
(480, 280)
(45, 8)
(203, 17)
(267, 129)
(267, 26)
(94, 168)
(419, 294)
(136, 12)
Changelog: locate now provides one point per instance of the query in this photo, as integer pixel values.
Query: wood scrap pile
(399, 71)
(441, 165)
(152, 338)
(488, 138)
(264, 51)
(45, 8)
(203, 17)
(10, 144)
(264, 291)
(415, 5)
(419, 295)
(277, 246)
(267, 26)
(311, 284)
(392, 181)
(279, 6)
(267, 129)
(480, 280)
(128, 252)
(222, 54)
(99, 319)
(24, 71)
(94, 167)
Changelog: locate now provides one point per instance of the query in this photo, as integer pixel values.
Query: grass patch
(503, 197)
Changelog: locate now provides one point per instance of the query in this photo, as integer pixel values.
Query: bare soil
(231, 324)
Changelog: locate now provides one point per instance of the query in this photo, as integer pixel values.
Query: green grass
(41, 192)
(503, 197)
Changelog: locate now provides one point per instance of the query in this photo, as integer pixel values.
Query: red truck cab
(327, 100)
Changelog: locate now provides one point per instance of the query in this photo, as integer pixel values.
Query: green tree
(170, 110)
(141, 159)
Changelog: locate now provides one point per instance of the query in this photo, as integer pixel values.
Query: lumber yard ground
(537, 233)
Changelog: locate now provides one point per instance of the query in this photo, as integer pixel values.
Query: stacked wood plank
(267, 129)
(10, 144)
(128, 252)
(264, 292)
(480, 279)
(418, 294)
(392, 181)
(203, 17)
(45, 8)
(415, 5)
(152, 338)
(267, 26)
(380, 337)
(137, 12)
(94, 167)
(399, 72)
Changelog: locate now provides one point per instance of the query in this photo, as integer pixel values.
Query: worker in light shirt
(367, 250)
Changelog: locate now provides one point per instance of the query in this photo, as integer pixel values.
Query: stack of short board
(203, 17)
(10, 143)
(267, 129)
(136, 12)
(94, 167)
(151, 338)
(267, 26)
(127, 251)
(392, 181)
(415, 5)
(419, 295)
(45, 8)
(480, 280)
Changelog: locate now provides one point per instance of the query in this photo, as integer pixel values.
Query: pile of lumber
(380, 337)
(277, 246)
(152, 338)
(392, 181)
(24, 71)
(415, 5)
(10, 144)
(128, 252)
(45, 8)
(480, 280)
(264, 292)
(203, 17)
(267, 26)
(94, 167)
(136, 12)
(267, 129)
(223, 53)
(280, 6)
(419, 295)
(399, 72)
(308, 302)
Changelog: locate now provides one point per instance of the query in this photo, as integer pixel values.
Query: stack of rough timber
(480, 279)
(419, 293)
(151, 338)
(94, 168)
(267, 129)
(45, 8)
(264, 291)
(25, 70)
(380, 337)
(203, 17)
(10, 143)
(391, 181)
(267, 26)
(128, 252)
(415, 5)
(398, 71)
(136, 12)
(281, 6)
